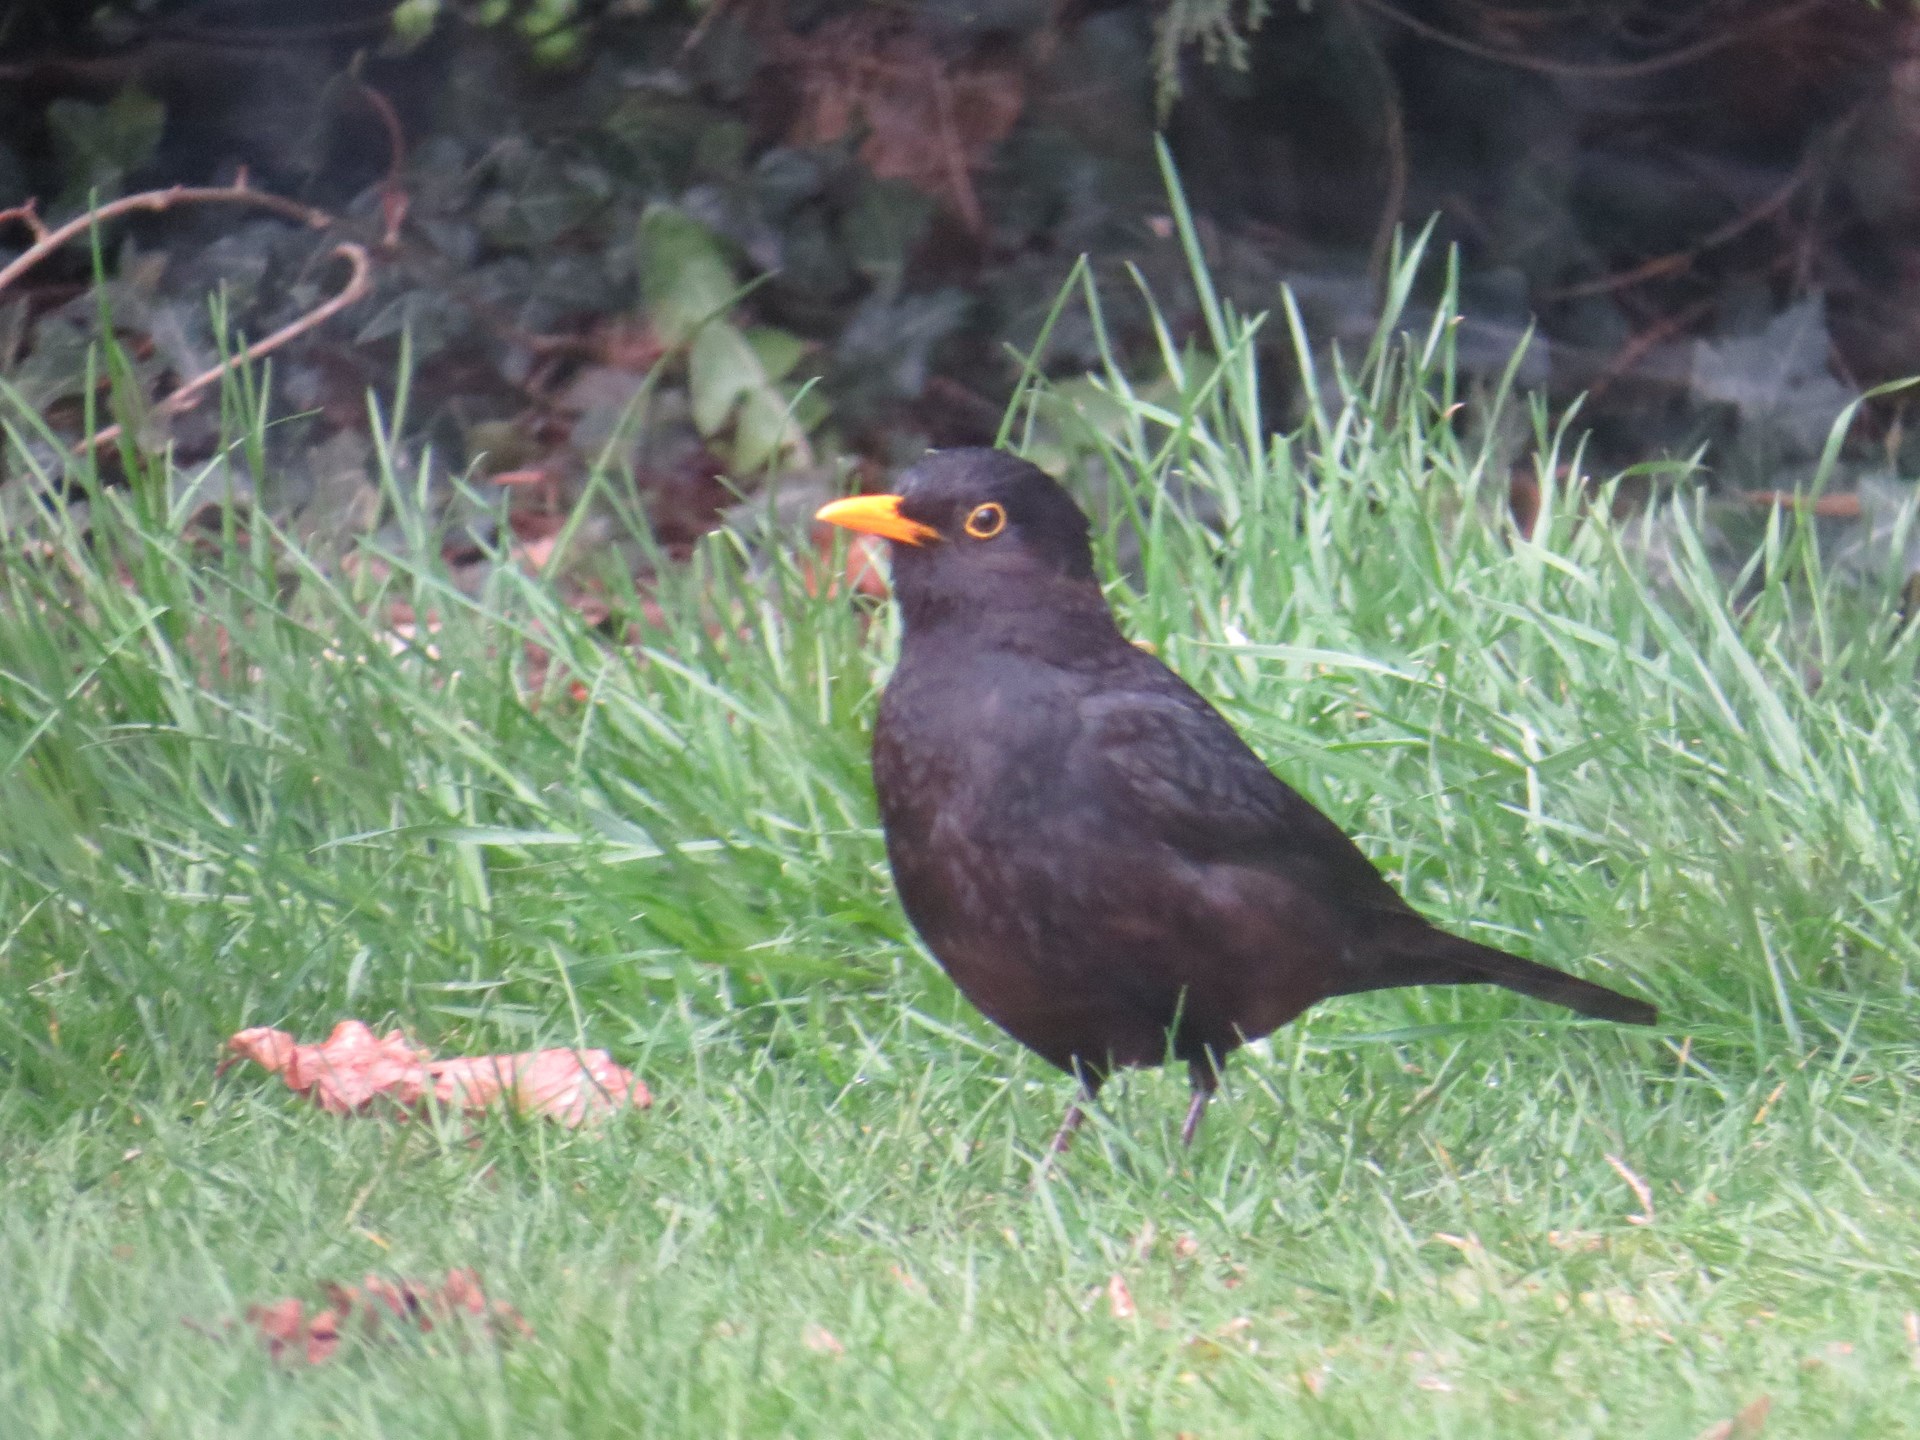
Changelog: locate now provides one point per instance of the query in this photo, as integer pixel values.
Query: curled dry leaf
(571, 1086)
(354, 1067)
(348, 1072)
(377, 1303)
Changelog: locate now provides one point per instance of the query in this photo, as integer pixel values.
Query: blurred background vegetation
(713, 240)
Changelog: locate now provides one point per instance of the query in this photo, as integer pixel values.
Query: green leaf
(99, 145)
(778, 350)
(413, 20)
(685, 278)
(721, 369)
(764, 430)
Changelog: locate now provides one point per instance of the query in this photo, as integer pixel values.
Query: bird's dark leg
(1063, 1137)
(1076, 1115)
(1206, 1080)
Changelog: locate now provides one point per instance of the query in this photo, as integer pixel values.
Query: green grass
(231, 797)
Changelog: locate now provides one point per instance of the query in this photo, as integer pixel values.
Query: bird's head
(977, 532)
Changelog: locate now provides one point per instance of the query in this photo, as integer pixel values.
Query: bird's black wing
(1168, 766)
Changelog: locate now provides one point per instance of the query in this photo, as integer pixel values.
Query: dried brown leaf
(292, 1334)
(927, 119)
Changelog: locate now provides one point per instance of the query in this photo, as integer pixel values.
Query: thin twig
(699, 32)
(965, 200)
(1832, 507)
(28, 214)
(358, 285)
(1639, 346)
(393, 189)
(239, 193)
(1582, 70)
(1394, 137)
(1678, 260)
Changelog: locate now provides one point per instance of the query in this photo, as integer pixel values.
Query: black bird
(1084, 843)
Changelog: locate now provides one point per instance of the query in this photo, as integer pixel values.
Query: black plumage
(1089, 849)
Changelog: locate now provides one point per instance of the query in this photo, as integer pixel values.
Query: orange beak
(877, 515)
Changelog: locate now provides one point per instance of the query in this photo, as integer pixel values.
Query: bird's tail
(1457, 961)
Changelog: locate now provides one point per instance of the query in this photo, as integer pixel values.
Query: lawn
(1659, 750)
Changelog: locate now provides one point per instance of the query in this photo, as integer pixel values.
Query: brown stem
(359, 283)
(28, 214)
(1581, 70)
(393, 190)
(151, 201)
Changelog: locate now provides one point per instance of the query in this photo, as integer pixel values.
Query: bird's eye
(986, 521)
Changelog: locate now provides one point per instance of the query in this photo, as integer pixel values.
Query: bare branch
(1581, 70)
(358, 285)
(149, 201)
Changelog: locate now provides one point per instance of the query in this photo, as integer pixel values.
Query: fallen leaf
(863, 573)
(292, 1334)
(571, 1086)
(347, 1072)
(354, 1067)
(1120, 1299)
(285, 1328)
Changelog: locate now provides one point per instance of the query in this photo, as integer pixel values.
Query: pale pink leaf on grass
(354, 1067)
(347, 1071)
(571, 1086)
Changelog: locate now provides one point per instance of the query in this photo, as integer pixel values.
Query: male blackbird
(1084, 843)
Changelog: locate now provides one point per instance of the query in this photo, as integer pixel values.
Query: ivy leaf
(734, 379)
(778, 350)
(685, 277)
(100, 145)
(766, 429)
(721, 371)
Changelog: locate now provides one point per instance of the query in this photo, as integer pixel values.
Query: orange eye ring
(986, 521)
